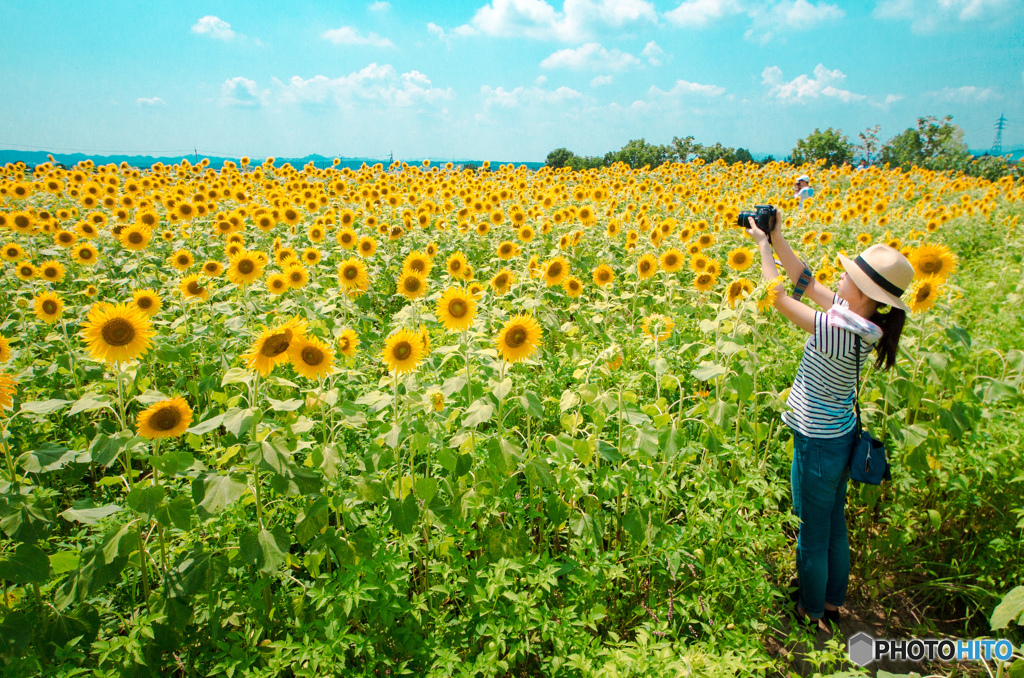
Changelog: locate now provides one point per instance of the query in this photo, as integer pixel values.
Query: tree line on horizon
(934, 144)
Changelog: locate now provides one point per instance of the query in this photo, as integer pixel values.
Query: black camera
(764, 218)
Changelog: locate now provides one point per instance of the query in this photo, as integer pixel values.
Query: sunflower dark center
(49, 306)
(411, 283)
(135, 238)
(402, 350)
(923, 292)
(246, 266)
(555, 270)
(351, 273)
(501, 280)
(457, 308)
(645, 266)
(118, 332)
(456, 265)
(144, 302)
(296, 276)
(50, 272)
(21, 221)
(195, 288)
(276, 344)
(671, 260)
(12, 252)
(931, 266)
(312, 356)
(516, 336)
(85, 254)
(165, 419)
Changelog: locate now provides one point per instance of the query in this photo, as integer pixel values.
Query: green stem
(71, 354)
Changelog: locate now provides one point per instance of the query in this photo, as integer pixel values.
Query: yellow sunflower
(277, 283)
(165, 419)
(147, 301)
(117, 333)
(412, 285)
(297, 275)
(26, 270)
(311, 256)
(8, 387)
(456, 265)
(738, 289)
(352, 275)
(367, 247)
(5, 349)
(662, 324)
(135, 237)
(418, 262)
(271, 346)
(212, 268)
(519, 338)
(311, 357)
(48, 307)
(740, 259)
(51, 270)
(671, 259)
(244, 267)
(646, 266)
(555, 271)
(403, 351)
(348, 342)
(603, 275)
(502, 281)
(192, 287)
(12, 251)
(456, 309)
(346, 238)
(704, 281)
(935, 261)
(526, 234)
(573, 286)
(923, 294)
(507, 249)
(182, 260)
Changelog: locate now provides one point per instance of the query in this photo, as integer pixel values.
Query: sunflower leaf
(236, 375)
(207, 426)
(478, 412)
(86, 512)
(28, 565)
(88, 403)
(44, 406)
(289, 405)
(212, 492)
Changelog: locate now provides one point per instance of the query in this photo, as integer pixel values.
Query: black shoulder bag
(867, 457)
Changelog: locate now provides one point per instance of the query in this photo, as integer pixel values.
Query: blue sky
(507, 80)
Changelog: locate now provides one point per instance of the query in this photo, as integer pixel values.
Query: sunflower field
(413, 420)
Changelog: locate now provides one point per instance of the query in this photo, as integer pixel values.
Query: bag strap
(856, 386)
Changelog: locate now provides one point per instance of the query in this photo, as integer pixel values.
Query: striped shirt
(823, 391)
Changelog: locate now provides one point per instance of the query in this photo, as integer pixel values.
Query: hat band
(877, 278)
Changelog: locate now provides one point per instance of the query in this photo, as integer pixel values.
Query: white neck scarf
(841, 316)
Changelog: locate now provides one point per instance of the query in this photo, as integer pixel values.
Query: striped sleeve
(833, 341)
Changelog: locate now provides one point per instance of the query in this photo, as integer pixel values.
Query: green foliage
(830, 147)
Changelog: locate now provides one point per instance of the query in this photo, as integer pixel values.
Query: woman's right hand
(777, 224)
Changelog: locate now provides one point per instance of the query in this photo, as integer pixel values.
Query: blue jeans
(821, 468)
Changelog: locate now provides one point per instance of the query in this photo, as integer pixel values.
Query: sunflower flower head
(165, 419)
(117, 333)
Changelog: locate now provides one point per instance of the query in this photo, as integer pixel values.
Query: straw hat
(881, 273)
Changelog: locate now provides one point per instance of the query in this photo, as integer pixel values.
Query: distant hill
(33, 158)
(1015, 152)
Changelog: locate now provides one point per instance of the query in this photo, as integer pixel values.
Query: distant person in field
(803, 188)
(864, 314)
(863, 165)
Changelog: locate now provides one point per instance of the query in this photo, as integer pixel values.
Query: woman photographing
(865, 313)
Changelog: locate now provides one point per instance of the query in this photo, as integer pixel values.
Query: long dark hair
(891, 323)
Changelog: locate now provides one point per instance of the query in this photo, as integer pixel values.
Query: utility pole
(997, 146)
(196, 153)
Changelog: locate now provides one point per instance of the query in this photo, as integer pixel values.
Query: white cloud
(926, 16)
(700, 13)
(684, 87)
(347, 35)
(539, 20)
(543, 80)
(153, 101)
(242, 92)
(767, 20)
(374, 83)
(601, 80)
(526, 96)
(803, 87)
(434, 29)
(590, 56)
(215, 27)
(653, 53)
(966, 94)
(380, 6)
